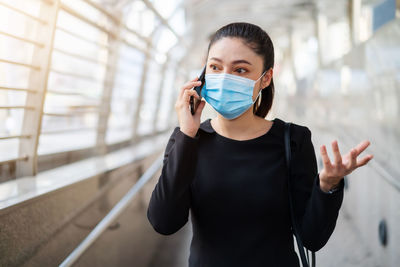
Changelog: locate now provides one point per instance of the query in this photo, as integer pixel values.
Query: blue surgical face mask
(230, 95)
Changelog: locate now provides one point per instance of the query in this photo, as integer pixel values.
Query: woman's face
(231, 55)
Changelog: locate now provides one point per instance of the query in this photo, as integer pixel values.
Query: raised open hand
(333, 173)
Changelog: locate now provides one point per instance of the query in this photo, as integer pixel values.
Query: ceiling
(279, 18)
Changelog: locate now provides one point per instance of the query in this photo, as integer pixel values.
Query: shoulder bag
(305, 261)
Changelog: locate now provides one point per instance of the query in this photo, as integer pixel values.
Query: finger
(336, 153)
(188, 85)
(195, 94)
(187, 94)
(364, 161)
(200, 108)
(362, 146)
(353, 159)
(325, 158)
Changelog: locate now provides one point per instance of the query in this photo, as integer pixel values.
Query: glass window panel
(16, 23)
(66, 63)
(50, 143)
(134, 39)
(10, 126)
(151, 91)
(166, 101)
(166, 39)
(176, 53)
(74, 44)
(90, 13)
(148, 22)
(66, 85)
(338, 42)
(27, 6)
(15, 50)
(141, 19)
(12, 75)
(124, 94)
(166, 7)
(133, 20)
(306, 56)
(75, 85)
(9, 149)
(74, 120)
(178, 22)
(12, 98)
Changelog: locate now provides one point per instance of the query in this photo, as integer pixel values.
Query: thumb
(200, 108)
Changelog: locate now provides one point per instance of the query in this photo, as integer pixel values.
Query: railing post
(160, 93)
(37, 79)
(136, 114)
(109, 82)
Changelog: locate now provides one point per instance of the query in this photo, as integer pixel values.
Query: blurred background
(87, 94)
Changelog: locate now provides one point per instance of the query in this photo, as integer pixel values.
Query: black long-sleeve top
(238, 197)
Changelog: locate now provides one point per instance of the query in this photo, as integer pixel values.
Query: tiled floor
(343, 249)
(173, 250)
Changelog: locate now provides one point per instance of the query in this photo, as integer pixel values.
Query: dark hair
(260, 42)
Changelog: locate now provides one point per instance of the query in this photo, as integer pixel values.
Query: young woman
(230, 170)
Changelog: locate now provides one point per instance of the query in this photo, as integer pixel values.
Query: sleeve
(316, 211)
(169, 204)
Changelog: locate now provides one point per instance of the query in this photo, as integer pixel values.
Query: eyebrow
(234, 62)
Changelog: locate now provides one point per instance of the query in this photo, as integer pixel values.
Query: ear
(266, 79)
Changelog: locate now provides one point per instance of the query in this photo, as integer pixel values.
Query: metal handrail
(15, 136)
(18, 89)
(112, 215)
(22, 39)
(23, 13)
(16, 107)
(20, 64)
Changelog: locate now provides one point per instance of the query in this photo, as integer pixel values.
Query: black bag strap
(305, 262)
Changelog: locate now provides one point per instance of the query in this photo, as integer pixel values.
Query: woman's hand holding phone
(189, 124)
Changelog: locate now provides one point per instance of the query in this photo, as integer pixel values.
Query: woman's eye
(213, 67)
(240, 70)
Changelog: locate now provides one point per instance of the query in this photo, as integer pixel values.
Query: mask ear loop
(261, 76)
(260, 92)
(259, 98)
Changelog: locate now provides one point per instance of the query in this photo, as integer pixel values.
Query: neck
(245, 123)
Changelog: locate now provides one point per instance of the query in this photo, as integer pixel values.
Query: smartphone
(194, 102)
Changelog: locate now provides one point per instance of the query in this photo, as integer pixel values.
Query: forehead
(229, 49)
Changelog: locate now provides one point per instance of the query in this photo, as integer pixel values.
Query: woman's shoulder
(294, 126)
(298, 132)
